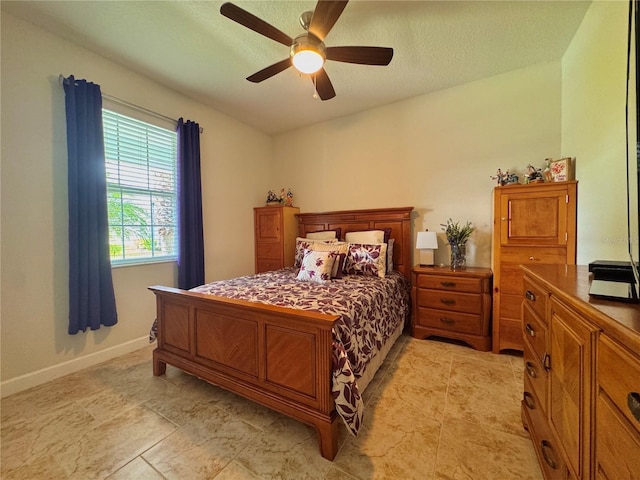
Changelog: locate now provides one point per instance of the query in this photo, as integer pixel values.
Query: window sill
(141, 262)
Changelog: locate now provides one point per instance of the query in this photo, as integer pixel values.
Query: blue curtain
(92, 301)
(191, 256)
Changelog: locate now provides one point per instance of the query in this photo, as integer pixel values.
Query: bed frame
(278, 357)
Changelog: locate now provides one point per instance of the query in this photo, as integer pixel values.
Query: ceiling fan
(307, 52)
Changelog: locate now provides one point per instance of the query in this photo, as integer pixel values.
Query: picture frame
(562, 170)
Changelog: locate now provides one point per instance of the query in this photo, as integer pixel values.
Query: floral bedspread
(370, 309)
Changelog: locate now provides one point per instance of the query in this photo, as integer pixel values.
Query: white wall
(435, 152)
(593, 129)
(34, 302)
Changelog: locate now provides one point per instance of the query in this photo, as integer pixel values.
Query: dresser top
(571, 284)
(447, 271)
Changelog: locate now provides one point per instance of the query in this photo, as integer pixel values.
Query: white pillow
(325, 235)
(316, 266)
(368, 237)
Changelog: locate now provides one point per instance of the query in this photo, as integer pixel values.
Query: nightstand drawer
(436, 282)
(453, 301)
(447, 320)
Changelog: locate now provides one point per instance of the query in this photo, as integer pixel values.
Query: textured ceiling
(189, 46)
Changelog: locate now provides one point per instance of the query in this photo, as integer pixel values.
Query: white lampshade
(427, 242)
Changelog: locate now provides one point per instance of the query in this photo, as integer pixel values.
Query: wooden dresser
(581, 400)
(452, 304)
(276, 229)
(532, 224)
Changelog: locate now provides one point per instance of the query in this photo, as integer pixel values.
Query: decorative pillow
(325, 235)
(303, 244)
(369, 236)
(390, 255)
(338, 265)
(367, 259)
(336, 249)
(316, 266)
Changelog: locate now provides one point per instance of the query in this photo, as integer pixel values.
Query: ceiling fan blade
(361, 55)
(325, 16)
(270, 71)
(254, 23)
(323, 85)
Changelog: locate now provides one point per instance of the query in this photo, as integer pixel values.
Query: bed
(288, 359)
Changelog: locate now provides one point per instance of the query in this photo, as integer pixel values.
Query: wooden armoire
(276, 228)
(532, 224)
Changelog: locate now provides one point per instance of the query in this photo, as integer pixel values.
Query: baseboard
(29, 380)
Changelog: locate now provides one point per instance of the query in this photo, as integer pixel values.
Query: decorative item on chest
(284, 199)
(561, 170)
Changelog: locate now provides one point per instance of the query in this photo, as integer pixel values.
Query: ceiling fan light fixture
(307, 56)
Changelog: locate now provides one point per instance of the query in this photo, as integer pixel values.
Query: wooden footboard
(275, 356)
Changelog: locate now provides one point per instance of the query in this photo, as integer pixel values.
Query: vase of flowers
(457, 237)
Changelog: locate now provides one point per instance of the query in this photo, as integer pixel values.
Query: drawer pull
(448, 301)
(529, 295)
(547, 454)
(531, 258)
(448, 284)
(447, 321)
(529, 401)
(633, 402)
(529, 329)
(530, 370)
(546, 361)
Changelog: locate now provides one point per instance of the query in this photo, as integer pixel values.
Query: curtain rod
(61, 78)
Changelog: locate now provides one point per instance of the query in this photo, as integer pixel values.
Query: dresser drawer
(535, 373)
(534, 332)
(458, 284)
(453, 301)
(511, 277)
(536, 298)
(511, 306)
(266, 265)
(617, 442)
(268, 250)
(545, 444)
(453, 321)
(533, 255)
(619, 376)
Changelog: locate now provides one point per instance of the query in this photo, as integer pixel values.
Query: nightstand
(452, 304)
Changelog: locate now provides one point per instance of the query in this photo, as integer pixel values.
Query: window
(141, 190)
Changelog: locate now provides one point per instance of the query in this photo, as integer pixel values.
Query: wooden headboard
(397, 219)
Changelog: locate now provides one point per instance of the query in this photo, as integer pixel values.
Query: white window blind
(141, 189)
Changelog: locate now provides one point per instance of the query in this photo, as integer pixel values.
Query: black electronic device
(613, 280)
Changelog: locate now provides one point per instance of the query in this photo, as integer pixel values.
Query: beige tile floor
(434, 411)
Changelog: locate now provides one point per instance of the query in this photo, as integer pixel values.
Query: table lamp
(426, 242)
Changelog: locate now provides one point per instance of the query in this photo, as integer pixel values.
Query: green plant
(456, 234)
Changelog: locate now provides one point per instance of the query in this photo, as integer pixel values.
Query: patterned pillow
(338, 251)
(390, 244)
(367, 259)
(316, 266)
(303, 244)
